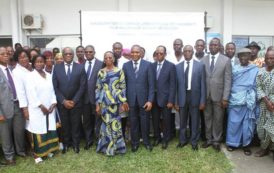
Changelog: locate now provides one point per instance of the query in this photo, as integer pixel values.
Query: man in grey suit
(191, 96)
(12, 122)
(165, 74)
(218, 81)
(230, 50)
(92, 66)
(140, 95)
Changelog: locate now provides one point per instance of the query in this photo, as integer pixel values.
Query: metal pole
(205, 30)
(81, 38)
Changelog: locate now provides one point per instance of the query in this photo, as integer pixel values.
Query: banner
(147, 29)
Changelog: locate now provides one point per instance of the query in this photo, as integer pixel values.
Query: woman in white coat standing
(42, 103)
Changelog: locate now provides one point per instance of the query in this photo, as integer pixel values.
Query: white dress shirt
(86, 66)
(138, 64)
(162, 63)
(189, 72)
(175, 61)
(121, 61)
(66, 67)
(215, 59)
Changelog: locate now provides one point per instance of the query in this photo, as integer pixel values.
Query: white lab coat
(20, 74)
(40, 91)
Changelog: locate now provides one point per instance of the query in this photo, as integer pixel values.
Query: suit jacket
(165, 86)
(89, 96)
(198, 84)
(6, 97)
(72, 89)
(219, 81)
(142, 87)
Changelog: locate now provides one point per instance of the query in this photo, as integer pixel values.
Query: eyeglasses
(67, 54)
(159, 53)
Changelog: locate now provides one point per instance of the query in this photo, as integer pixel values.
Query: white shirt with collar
(162, 63)
(121, 61)
(189, 71)
(92, 65)
(197, 59)
(215, 59)
(138, 64)
(233, 60)
(66, 67)
(175, 61)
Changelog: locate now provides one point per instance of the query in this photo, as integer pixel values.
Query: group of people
(48, 99)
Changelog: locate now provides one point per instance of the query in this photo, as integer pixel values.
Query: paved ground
(250, 164)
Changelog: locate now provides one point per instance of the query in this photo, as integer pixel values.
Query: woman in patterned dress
(110, 95)
(265, 92)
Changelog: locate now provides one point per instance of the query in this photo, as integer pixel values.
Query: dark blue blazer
(72, 89)
(166, 83)
(89, 96)
(142, 87)
(198, 84)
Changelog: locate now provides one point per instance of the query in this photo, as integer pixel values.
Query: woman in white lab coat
(42, 103)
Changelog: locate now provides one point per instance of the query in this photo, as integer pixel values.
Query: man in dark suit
(92, 66)
(165, 74)
(140, 95)
(69, 81)
(191, 96)
(218, 81)
(12, 122)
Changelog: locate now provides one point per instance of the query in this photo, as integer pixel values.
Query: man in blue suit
(165, 74)
(140, 95)
(92, 66)
(69, 81)
(191, 96)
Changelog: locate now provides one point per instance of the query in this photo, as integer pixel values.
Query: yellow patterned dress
(110, 93)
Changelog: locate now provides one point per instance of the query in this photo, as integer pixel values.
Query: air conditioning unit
(31, 21)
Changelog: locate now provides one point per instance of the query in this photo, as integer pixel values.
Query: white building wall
(253, 17)
(5, 23)
(61, 17)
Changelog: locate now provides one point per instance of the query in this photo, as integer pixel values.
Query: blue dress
(110, 94)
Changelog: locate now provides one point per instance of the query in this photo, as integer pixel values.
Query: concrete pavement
(249, 164)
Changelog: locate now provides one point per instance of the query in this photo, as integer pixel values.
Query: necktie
(89, 69)
(136, 69)
(68, 72)
(11, 84)
(158, 70)
(212, 63)
(186, 75)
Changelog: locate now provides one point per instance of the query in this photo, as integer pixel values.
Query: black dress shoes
(195, 147)
(164, 145)
(205, 145)
(76, 150)
(247, 151)
(134, 148)
(157, 142)
(230, 149)
(88, 146)
(148, 147)
(65, 149)
(216, 147)
(181, 145)
(8, 163)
